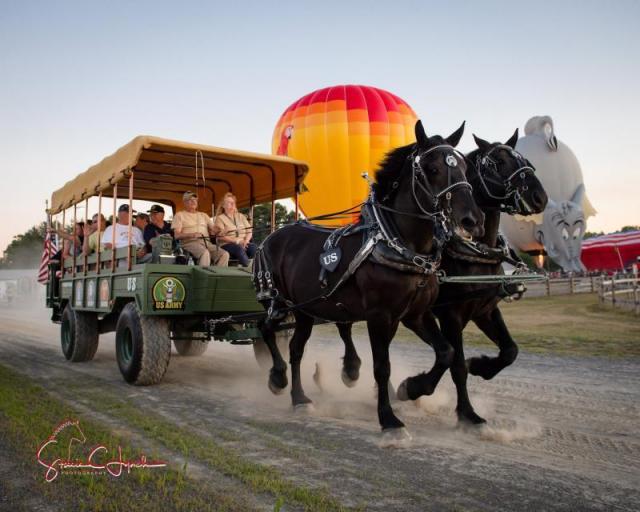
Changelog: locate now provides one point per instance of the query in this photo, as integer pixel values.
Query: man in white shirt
(122, 233)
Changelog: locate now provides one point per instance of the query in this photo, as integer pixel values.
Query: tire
(143, 346)
(190, 348)
(79, 335)
(261, 351)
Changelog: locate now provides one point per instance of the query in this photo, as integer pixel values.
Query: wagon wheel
(79, 335)
(143, 346)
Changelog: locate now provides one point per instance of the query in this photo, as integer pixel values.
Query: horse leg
(452, 330)
(494, 327)
(351, 362)
(427, 329)
(278, 372)
(304, 325)
(381, 331)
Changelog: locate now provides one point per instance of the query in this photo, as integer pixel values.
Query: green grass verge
(574, 325)
(29, 413)
(258, 477)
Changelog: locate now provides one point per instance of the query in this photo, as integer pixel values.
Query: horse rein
(486, 163)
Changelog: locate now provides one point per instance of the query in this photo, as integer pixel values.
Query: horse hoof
(306, 407)
(348, 381)
(275, 390)
(395, 437)
(470, 418)
(402, 392)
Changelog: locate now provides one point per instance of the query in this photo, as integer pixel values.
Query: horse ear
(421, 135)
(455, 137)
(513, 140)
(481, 143)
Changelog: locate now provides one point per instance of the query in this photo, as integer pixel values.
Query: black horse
(503, 181)
(386, 271)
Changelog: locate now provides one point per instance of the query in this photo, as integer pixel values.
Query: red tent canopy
(611, 252)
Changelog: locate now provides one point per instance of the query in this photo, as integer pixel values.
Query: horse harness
(381, 243)
(511, 201)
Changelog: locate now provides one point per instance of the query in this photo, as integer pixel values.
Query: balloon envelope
(341, 132)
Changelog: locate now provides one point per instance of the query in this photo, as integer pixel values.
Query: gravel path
(562, 434)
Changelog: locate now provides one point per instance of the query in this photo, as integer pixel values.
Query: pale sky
(80, 79)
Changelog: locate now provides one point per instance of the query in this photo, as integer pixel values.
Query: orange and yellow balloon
(340, 132)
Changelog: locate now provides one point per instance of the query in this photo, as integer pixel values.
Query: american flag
(49, 251)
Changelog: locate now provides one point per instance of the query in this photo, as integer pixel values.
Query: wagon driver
(194, 228)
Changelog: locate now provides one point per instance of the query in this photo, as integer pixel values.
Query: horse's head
(504, 179)
(440, 175)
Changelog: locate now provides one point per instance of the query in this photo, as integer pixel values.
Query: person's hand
(245, 243)
(141, 252)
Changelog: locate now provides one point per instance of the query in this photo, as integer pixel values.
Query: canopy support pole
(129, 248)
(73, 235)
(100, 226)
(113, 228)
(61, 246)
(86, 223)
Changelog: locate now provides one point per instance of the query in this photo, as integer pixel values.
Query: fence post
(613, 290)
(593, 288)
(548, 286)
(571, 284)
(636, 302)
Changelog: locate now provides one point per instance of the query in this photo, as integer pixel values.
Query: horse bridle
(419, 180)
(512, 201)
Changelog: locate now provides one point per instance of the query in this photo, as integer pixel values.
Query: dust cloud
(232, 373)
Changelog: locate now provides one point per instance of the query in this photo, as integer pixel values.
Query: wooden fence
(563, 286)
(622, 292)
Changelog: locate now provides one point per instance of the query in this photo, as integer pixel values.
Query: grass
(258, 477)
(574, 325)
(29, 413)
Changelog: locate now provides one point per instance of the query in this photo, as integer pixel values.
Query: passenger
(235, 231)
(122, 233)
(72, 243)
(141, 221)
(158, 226)
(92, 234)
(194, 228)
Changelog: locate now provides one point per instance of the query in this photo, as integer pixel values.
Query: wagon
(152, 305)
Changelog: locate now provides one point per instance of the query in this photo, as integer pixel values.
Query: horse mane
(390, 169)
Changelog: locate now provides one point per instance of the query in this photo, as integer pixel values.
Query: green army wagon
(151, 305)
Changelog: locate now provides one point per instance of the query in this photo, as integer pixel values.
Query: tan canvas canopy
(164, 169)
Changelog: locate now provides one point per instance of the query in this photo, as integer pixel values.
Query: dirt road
(563, 432)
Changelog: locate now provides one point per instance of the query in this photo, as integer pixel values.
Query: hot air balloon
(341, 132)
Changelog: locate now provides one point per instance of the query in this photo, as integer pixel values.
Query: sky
(80, 79)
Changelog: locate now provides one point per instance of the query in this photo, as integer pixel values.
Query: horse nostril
(539, 199)
(469, 222)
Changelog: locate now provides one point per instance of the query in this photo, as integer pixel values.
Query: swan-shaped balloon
(560, 228)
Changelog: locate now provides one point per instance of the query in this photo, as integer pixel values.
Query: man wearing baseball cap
(157, 225)
(194, 228)
(122, 233)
